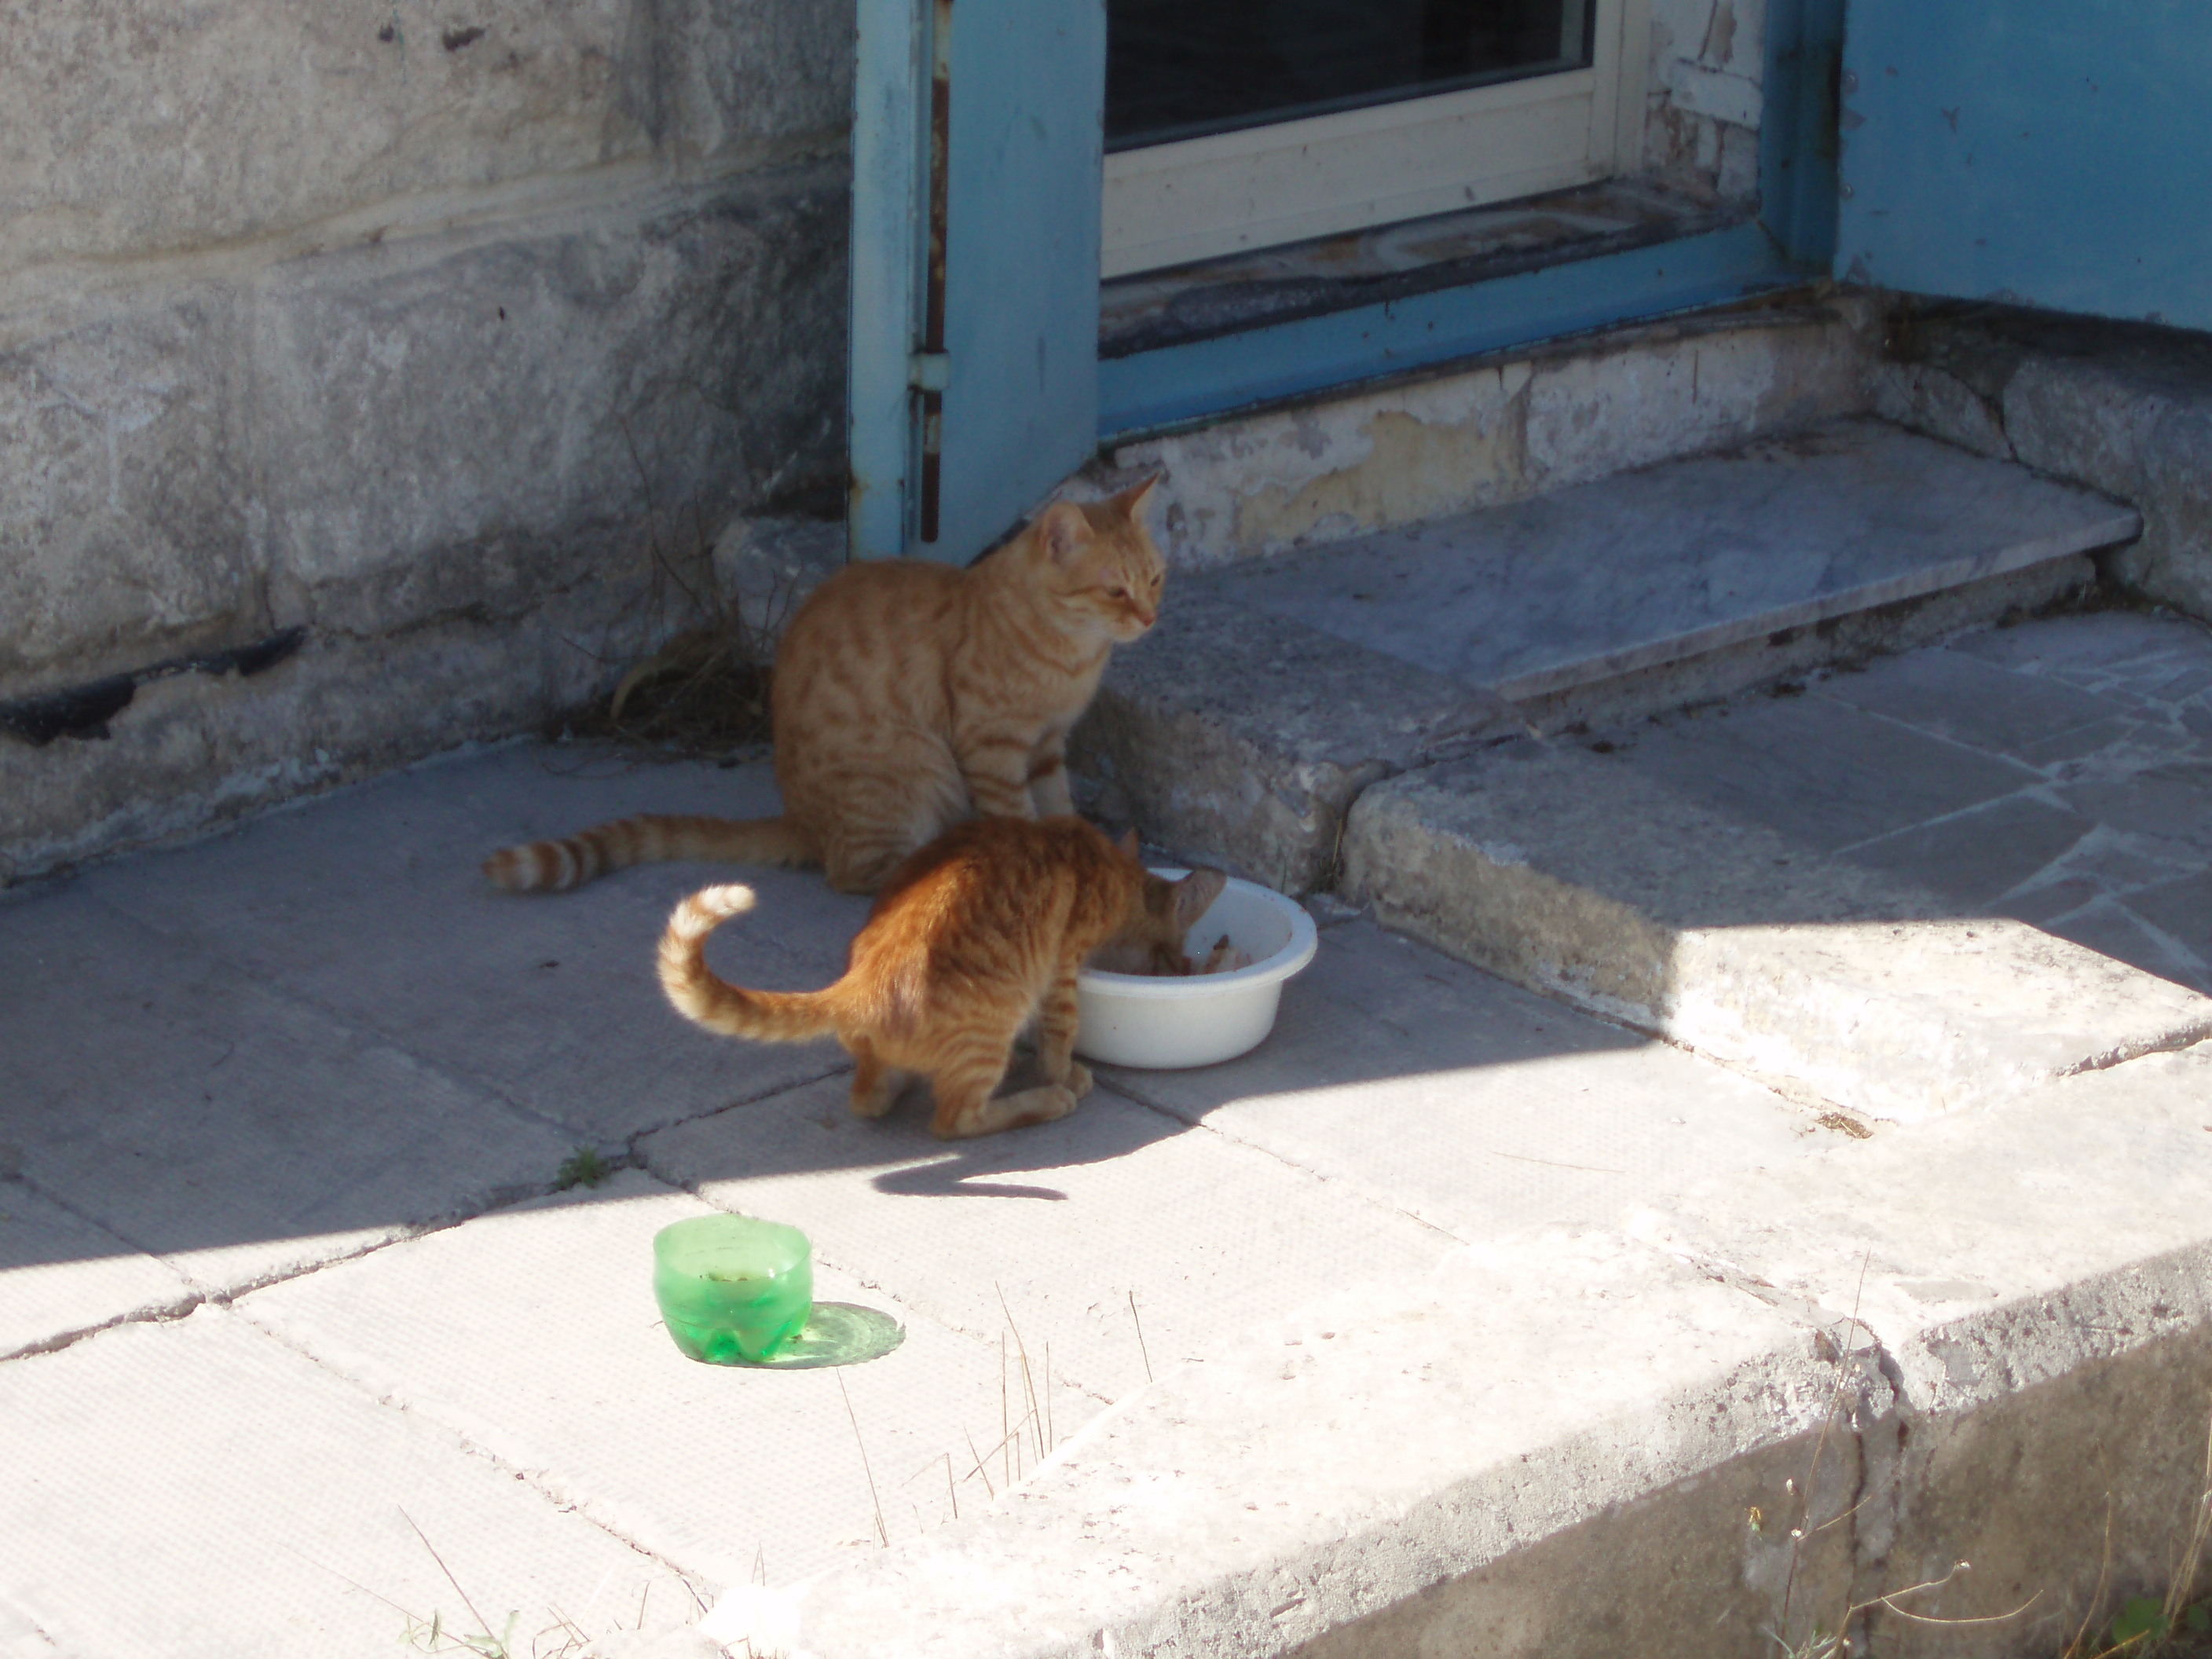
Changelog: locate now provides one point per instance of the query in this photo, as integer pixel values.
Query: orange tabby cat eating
(907, 696)
(971, 938)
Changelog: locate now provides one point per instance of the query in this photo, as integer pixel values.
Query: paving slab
(1246, 736)
(222, 1124)
(2169, 803)
(2122, 653)
(1048, 1234)
(194, 1488)
(1819, 773)
(1982, 854)
(1248, 1505)
(1587, 875)
(1930, 1236)
(377, 913)
(2099, 708)
(1960, 696)
(61, 1276)
(22, 1639)
(2109, 927)
(533, 1334)
(1655, 566)
(1470, 1103)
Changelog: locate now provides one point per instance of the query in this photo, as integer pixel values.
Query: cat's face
(1107, 576)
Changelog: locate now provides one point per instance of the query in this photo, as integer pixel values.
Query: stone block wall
(2125, 408)
(375, 345)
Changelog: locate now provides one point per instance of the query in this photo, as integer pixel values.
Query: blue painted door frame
(2048, 153)
(972, 368)
(1022, 396)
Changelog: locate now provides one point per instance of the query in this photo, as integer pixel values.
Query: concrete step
(1275, 690)
(1921, 887)
(1841, 893)
(1661, 566)
(1918, 888)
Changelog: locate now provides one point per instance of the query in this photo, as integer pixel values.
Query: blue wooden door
(2047, 153)
(974, 358)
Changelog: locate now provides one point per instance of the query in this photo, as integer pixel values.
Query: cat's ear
(1127, 844)
(1130, 501)
(1063, 531)
(1194, 895)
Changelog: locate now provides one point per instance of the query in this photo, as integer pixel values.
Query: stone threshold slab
(1689, 557)
(1909, 1347)
(1562, 870)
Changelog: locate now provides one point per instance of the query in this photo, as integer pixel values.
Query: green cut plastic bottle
(733, 1289)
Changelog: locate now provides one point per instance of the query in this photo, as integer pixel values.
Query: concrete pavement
(1459, 1316)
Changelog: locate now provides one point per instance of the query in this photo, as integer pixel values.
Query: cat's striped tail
(554, 866)
(703, 996)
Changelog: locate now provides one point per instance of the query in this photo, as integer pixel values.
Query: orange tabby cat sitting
(907, 696)
(971, 938)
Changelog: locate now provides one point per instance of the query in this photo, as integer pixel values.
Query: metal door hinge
(929, 371)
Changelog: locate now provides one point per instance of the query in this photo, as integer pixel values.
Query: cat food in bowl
(1166, 1022)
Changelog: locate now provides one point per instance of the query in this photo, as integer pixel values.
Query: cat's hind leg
(967, 1106)
(876, 1085)
(918, 798)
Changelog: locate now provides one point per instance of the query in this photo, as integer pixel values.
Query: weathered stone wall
(2125, 408)
(1702, 96)
(1501, 429)
(411, 327)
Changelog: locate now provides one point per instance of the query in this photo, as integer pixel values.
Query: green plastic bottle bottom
(733, 1290)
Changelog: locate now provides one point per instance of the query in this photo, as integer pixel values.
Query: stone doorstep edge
(1055, 1573)
(2121, 526)
(1258, 761)
(1116, 1545)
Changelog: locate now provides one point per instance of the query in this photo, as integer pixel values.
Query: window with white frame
(1236, 124)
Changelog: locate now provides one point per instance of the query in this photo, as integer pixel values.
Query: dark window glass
(1178, 69)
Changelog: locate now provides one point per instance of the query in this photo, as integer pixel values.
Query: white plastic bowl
(1164, 1023)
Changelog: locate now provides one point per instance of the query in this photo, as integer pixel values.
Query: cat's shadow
(1103, 1126)
(951, 1181)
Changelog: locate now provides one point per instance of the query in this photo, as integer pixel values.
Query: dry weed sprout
(882, 1532)
(1818, 1642)
(703, 693)
(561, 1639)
(1027, 1434)
(2147, 1624)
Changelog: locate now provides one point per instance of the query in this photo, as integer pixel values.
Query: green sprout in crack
(2147, 1622)
(582, 1168)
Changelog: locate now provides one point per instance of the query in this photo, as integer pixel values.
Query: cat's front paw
(1078, 1080)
